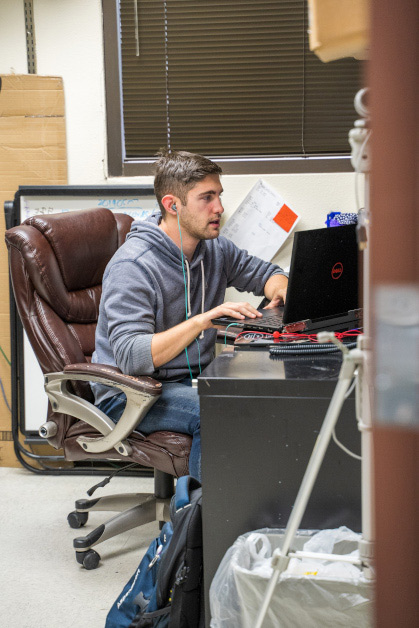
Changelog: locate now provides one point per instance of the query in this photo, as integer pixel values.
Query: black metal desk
(259, 421)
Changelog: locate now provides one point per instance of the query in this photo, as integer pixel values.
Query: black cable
(306, 349)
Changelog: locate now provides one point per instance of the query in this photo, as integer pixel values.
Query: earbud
(174, 207)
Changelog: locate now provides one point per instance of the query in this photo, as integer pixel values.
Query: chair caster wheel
(77, 519)
(89, 559)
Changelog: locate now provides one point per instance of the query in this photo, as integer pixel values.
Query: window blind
(230, 78)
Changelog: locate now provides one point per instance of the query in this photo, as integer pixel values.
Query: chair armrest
(114, 375)
(142, 392)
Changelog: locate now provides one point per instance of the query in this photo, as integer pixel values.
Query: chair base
(137, 510)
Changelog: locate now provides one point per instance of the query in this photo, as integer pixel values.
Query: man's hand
(236, 310)
(276, 290)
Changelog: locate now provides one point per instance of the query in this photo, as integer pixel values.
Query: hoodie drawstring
(188, 291)
(201, 335)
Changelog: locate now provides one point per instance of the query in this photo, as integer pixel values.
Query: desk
(259, 421)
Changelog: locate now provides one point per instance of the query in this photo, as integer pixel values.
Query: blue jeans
(176, 410)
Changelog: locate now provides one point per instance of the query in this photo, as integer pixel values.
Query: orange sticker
(285, 218)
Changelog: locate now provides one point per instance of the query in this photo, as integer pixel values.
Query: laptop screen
(323, 280)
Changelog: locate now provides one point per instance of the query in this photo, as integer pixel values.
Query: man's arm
(249, 273)
(276, 290)
(137, 348)
(166, 345)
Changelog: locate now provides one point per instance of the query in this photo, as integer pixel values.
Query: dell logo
(337, 270)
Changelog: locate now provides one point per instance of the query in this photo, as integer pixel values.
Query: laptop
(322, 289)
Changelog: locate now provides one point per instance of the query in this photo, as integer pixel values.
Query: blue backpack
(139, 590)
(167, 588)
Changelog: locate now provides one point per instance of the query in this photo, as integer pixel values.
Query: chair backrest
(57, 264)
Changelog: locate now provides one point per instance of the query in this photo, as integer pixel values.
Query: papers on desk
(262, 222)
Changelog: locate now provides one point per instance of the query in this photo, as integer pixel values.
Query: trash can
(311, 593)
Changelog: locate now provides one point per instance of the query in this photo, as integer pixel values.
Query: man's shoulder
(132, 250)
(131, 256)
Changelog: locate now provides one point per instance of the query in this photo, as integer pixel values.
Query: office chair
(56, 263)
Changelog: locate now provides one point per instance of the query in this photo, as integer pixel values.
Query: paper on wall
(262, 222)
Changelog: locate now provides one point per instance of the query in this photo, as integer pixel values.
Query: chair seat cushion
(166, 451)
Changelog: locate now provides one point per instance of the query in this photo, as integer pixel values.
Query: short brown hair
(176, 172)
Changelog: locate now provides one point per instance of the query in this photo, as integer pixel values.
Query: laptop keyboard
(271, 318)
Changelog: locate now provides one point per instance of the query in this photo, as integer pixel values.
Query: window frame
(120, 166)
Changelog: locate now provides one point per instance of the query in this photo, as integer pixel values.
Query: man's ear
(170, 204)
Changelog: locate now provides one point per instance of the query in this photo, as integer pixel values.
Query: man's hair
(177, 172)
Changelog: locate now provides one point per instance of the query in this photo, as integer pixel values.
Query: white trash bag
(311, 593)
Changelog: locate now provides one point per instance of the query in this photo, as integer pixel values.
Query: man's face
(201, 215)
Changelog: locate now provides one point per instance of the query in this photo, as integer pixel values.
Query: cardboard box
(8, 457)
(32, 152)
(339, 28)
(7, 452)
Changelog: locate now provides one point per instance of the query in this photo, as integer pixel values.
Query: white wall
(12, 38)
(69, 43)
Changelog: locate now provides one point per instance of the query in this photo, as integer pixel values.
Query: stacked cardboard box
(32, 152)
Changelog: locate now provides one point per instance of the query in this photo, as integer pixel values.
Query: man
(163, 287)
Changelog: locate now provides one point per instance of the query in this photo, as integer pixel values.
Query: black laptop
(323, 286)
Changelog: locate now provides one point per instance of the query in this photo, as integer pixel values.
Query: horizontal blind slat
(240, 78)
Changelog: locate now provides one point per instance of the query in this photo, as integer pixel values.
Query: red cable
(289, 337)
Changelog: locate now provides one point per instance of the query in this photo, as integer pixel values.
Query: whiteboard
(135, 206)
(136, 201)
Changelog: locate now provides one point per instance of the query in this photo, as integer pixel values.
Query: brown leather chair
(57, 263)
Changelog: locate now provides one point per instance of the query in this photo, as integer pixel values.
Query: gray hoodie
(144, 293)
